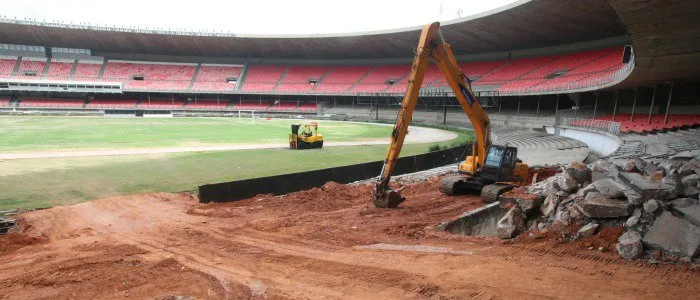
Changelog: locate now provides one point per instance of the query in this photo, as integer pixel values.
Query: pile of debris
(656, 200)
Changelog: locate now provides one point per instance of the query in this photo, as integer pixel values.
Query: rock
(511, 224)
(587, 230)
(597, 206)
(561, 218)
(609, 188)
(647, 189)
(630, 245)
(682, 202)
(686, 155)
(657, 175)
(690, 181)
(633, 198)
(520, 197)
(640, 164)
(634, 219)
(673, 235)
(544, 187)
(630, 167)
(690, 213)
(579, 172)
(568, 183)
(651, 206)
(691, 192)
(605, 166)
(550, 205)
(689, 168)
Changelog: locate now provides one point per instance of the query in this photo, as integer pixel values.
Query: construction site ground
(326, 242)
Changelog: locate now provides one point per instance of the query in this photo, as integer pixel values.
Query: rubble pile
(655, 200)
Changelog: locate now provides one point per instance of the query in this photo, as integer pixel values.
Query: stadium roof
(522, 25)
(666, 39)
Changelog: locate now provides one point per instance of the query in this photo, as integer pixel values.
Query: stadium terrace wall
(288, 183)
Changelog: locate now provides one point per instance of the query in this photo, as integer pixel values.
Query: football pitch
(51, 181)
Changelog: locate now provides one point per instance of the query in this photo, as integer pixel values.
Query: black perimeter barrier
(288, 183)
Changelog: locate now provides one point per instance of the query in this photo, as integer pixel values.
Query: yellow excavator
(490, 169)
(308, 138)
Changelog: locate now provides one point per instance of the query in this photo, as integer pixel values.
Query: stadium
(156, 163)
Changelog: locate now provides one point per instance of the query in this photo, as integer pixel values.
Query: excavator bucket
(385, 197)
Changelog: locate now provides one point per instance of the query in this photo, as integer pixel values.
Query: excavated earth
(326, 242)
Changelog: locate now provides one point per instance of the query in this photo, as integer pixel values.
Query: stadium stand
(640, 124)
(308, 106)
(7, 65)
(341, 78)
(568, 72)
(87, 70)
(59, 103)
(208, 104)
(301, 79)
(261, 78)
(4, 102)
(60, 69)
(252, 105)
(162, 104)
(31, 68)
(213, 78)
(283, 106)
(112, 103)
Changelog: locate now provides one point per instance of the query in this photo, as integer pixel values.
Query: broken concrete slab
(690, 213)
(630, 245)
(646, 188)
(511, 224)
(579, 172)
(568, 183)
(691, 180)
(683, 202)
(549, 205)
(609, 188)
(588, 230)
(597, 206)
(673, 234)
(686, 155)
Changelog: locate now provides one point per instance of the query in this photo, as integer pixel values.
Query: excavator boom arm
(430, 44)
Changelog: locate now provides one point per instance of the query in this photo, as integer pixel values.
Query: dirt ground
(328, 242)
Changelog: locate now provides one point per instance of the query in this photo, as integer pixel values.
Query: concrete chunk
(597, 206)
(609, 188)
(646, 188)
(588, 230)
(690, 213)
(674, 235)
(511, 224)
(568, 183)
(651, 206)
(550, 205)
(630, 245)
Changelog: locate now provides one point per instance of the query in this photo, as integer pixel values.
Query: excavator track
(490, 193)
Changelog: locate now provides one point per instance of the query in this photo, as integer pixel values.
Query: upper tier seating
(7, 64)
(213, 78)
(261, 78)
(72, 103)
(31, 66)
(59, 69)
(376, 81)
(559, 73)
(151, 71)
(87, 70)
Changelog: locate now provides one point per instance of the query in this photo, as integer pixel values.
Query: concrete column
(617, 97)
(651, 108)
(634, 103)
(556, 107)
(500, 103)
(444, 114)
(537, 114)
(518, 112)
(668, 104)
(595, 104)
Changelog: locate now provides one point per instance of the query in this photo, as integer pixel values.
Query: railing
(583, 117)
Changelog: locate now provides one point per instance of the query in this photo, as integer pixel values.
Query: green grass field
(35, 183)
(24, 134)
